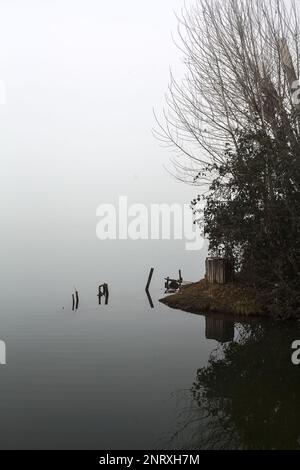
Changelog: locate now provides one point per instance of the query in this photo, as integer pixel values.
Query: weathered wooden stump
(219, 270)
(103, 291)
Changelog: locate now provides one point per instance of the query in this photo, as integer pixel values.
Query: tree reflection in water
(247, 397)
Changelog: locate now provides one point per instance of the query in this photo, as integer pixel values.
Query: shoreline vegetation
(232, 299)
(234, 125)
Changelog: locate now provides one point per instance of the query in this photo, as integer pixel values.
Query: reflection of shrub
(247, 396)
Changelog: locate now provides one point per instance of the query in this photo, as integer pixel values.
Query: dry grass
(203, 298)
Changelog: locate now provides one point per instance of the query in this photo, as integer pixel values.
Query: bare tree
(242, 63)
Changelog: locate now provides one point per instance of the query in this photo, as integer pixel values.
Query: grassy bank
(203, 298)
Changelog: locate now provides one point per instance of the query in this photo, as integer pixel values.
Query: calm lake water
(128, 376)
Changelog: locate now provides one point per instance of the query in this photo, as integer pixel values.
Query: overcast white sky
(83, 77)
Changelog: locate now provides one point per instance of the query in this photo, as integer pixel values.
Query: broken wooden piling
(103, 292)
(149, 279)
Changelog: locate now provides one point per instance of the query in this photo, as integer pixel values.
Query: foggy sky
(82, 80)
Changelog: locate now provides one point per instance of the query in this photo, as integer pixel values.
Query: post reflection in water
(247, 396)
(219, 329)
(149, 299)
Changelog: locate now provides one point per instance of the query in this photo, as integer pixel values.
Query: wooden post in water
(149, 279)
(147, 287)
(103, 292)
(106, 293)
